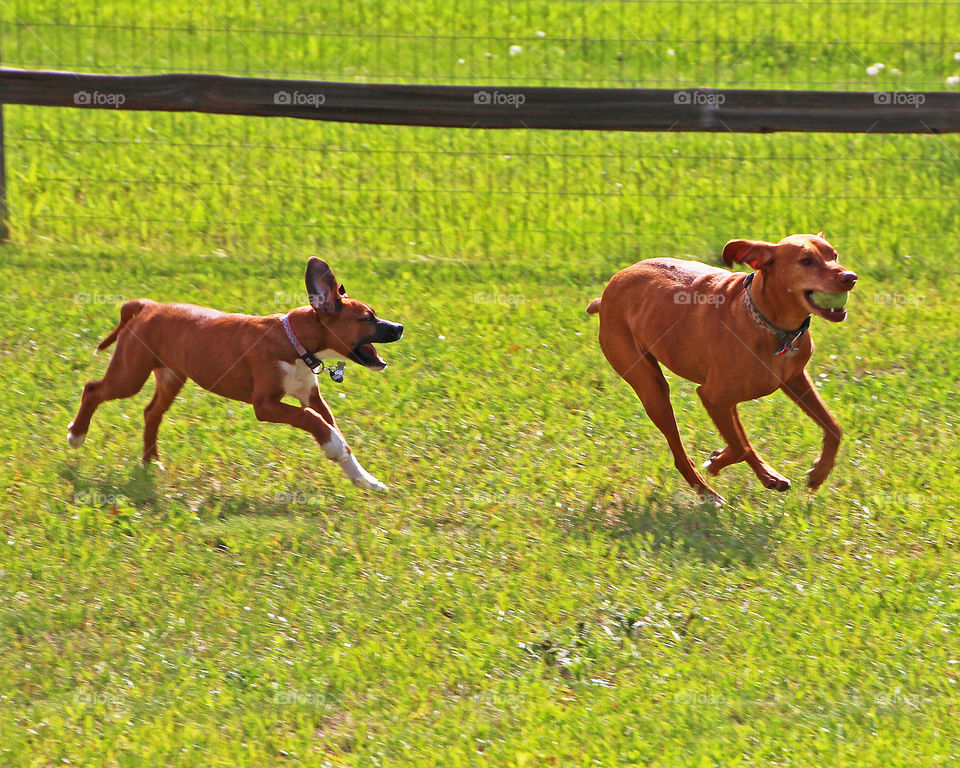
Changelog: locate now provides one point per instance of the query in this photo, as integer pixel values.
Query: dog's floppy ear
(757, 254)
(322, 287)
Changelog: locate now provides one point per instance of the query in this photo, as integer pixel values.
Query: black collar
(313, 362)
(788, 339)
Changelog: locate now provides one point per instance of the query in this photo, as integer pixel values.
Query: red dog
(257, 360)
(739, 336)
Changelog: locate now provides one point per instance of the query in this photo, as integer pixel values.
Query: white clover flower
(541, 33)
(953, 80)
(515, 49)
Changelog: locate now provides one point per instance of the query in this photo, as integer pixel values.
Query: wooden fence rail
(488, 106)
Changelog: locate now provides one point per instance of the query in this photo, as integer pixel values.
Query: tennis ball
(829, 300)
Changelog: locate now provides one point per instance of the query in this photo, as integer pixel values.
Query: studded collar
(789, 340)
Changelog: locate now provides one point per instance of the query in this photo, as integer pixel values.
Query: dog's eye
(806, 262)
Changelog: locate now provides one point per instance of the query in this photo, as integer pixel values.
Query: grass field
(538, 587)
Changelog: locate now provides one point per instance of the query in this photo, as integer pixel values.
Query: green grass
(538, 584)
(538, 587)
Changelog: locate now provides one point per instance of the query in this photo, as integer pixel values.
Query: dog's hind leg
(126, 374)
(720, 458)
(169, 385)
(724, 457)
(641, 371)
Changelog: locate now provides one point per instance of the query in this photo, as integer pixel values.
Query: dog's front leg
(335, 448)
(738, 445)
(349, 464)
(800, 389)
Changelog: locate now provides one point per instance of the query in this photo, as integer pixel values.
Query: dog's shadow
(676, 523)
(138, 486)
(661, 523)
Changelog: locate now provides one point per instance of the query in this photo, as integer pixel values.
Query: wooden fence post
(4, 227)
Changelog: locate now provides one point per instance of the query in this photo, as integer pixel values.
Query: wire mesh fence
(632, 43)
(209, 182)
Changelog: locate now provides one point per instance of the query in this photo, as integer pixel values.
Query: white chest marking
(298, 381)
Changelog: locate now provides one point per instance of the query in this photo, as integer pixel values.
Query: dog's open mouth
(828, 305)
(366, 354)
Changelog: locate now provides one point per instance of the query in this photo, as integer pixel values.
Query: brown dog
(257, 360)
(739, 336)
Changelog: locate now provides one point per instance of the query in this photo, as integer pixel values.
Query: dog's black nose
(387, 331)
(848, 279)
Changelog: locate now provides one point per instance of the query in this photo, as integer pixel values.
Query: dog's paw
(368, 482)
(774, 484)
(714, 464)
(359, 476)
(74, 440)
(814, 480)
(707, 495)
(817, 475)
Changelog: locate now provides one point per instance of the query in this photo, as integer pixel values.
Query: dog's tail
(593, 307)
(128, 311)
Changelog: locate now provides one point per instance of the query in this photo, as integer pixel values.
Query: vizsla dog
(257, 360)
(739, 336)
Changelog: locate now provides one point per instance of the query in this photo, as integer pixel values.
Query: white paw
(75, 441)
(335, 448)
(713, 457)
(369, 483)
(359, 476)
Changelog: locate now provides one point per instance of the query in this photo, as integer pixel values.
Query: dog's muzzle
(365, 353)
